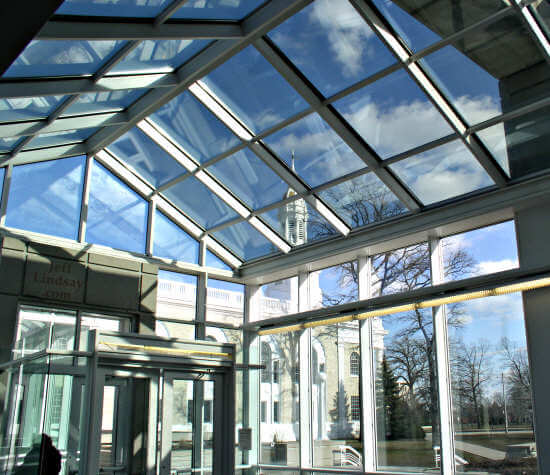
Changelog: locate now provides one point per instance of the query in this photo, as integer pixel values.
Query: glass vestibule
(134, 405)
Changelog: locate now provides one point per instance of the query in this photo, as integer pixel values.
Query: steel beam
(144, 30)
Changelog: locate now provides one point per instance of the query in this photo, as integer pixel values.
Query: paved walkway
(485, 452)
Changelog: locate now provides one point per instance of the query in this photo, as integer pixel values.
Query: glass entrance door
(190, 407)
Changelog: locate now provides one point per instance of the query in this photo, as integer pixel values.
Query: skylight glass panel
(146, 157)
(298, 223)
(45, 197)
(214, 261)
(172, 242)
(475, 81)
(217, 9)
(159, 56)
(393, 115)
(104, 101)
(245, 241)
(314, 150)
(332, 45)
(113, 8)
(28, 108)
(363, 200)
(520, 144)
(7, 144)
(2, 173)
(117, 215)
(250, 179)
(62, 58)
(198, 202)
(194, 128)
(442, 173)
(253, 90)
(415, 33)
(53, 139)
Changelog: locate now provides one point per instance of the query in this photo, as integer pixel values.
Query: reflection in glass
(224, 302)
(481, 87)
(182, 425)
(53, 139)
(245, 241)
(214, 261)
(298, 222)
(113, 8)
(249, 179)
(172, 242)
(442, 173)
(335, 403)
(7, 144)
(117, 216)
(28, 108)
(491, 386)
(105, 101)
(278, 298)
(518, 144)
(194, 128)
(481, 251)
(407, 411)
(217, 9)
(311, 148)
(197, 201)
(363, 200)
(393, 115)
(140, 152)
(266, 99)
(45, 197)
(62, 58)
(157, 56)
(332, 45)
(180, 331)
(40, 329)
(93, 321)
(333, 286)
(176, 297)
(280, 400)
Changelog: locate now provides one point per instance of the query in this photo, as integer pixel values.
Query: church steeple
(294, 216)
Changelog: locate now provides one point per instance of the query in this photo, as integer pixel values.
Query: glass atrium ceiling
(258, 127)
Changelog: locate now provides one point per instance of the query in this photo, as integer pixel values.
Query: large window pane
(482, 251)
(217, 9)
(172, 242)
(113, 8)
(407, 411)
(333, 285)
(45, 197)
(245, 241)
(117, 216)
(278, 298)
(176, 296)
(280, 400)
(104, 101)
(28, 108)
(336, 409)
(492, 404)
(332, 45)
(225, 302)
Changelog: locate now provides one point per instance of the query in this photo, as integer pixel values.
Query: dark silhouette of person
(42, 459)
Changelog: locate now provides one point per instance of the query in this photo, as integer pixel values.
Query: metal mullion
(289, 72)
(138, 30)
(367, 374)
(46, 154)
(169, 11)
(259, 22)
(5, 194)
(488, 162)
(422, 148)
(39, 87)
(534, 29)
(304, 362)
(117, 58)
(85, 199)
(202, 253)
(151, 217)
(442, 364)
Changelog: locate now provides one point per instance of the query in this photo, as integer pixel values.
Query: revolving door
(135, 404)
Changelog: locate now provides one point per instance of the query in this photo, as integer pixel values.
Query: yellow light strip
(503, 290)
(157, 349)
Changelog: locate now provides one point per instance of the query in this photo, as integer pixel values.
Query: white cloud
(488, 267)
(347, 33)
